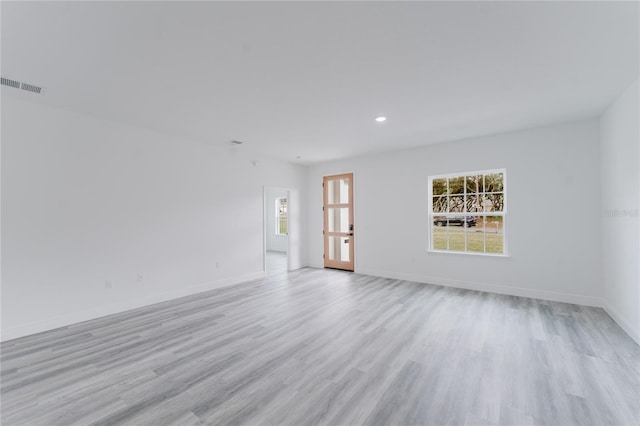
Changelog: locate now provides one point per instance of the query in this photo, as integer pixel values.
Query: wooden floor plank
(329, 347)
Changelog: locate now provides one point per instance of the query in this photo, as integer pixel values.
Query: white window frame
(503, 214)
(278, 217)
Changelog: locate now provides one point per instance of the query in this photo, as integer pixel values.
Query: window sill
(469, 253)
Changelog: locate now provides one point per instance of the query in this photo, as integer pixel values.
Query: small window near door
(281, 216)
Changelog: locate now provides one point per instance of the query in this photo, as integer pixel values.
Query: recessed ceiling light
(381, 119)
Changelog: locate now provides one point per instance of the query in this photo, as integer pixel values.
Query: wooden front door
(338, 221)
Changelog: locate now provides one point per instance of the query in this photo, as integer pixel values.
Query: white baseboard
(101, 311)
(490, 288)
(627, 326)
(76, 317)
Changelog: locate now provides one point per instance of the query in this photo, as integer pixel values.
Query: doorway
(277, 234)
(281, 226)
(338, 228)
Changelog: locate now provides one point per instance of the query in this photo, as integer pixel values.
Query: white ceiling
(307, 79)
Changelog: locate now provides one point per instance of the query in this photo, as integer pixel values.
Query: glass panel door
(338, 222)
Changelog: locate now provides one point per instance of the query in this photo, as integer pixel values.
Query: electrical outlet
(107, 284)
(140, 278)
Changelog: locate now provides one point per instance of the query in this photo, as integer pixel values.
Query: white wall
(274, 242)
(86, 200)
(620, 159)
(296, 250)
(553, 213)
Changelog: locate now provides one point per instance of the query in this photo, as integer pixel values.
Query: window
(467, 212)
(281, 216)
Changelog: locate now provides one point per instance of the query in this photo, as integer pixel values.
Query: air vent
(31, 88)
(19, 85)
(10, 83)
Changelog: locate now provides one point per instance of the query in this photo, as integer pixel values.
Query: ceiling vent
(19, 85)
(31, 88)
(10, 83)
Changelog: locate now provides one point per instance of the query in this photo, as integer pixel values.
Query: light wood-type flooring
(328, 347)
